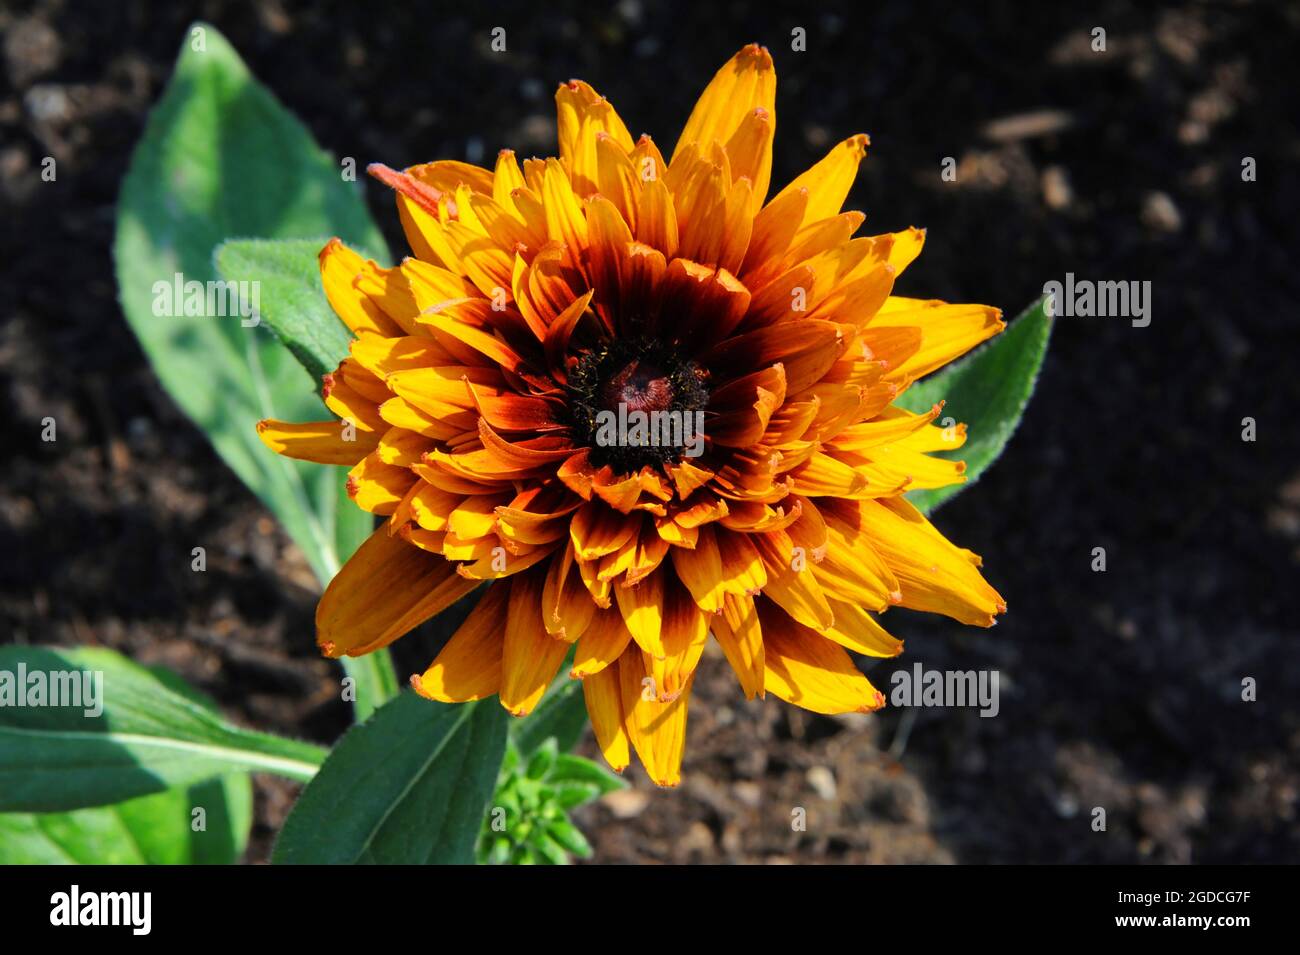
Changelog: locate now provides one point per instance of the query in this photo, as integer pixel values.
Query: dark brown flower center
(640, 385)
(635, 402)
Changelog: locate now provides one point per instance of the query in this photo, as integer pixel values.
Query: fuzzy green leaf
(221, 158)
(293, 303)
(989, 391)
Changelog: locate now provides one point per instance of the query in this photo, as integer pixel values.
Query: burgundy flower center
(640, 385)
(626, 384)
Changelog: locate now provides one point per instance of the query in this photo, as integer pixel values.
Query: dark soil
(1120, 690)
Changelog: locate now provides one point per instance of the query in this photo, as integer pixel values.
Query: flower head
(545, 301)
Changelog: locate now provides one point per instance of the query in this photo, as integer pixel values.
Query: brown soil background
(1119, 689)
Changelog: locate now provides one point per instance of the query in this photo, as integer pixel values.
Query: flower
(543, 298)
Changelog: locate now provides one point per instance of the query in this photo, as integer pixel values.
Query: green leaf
(572, 795)
(410, 785)
(545, 850)
(988, 390)
(577, 769)
(148, 738)
(561, 714)
(165, 828)
(221, 158)
(152, 830)
(541, 760)
(570, 838)
(293, 303)
(376, 682)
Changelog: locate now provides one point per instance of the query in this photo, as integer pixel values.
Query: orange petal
(386, 588)
(746, 82)
(740, 635)
(744, 406)
(642, 607)
(582, 115)
(598, 530)
(339, 267)
(807, 348)
(829, 181)
(684, 633)
(604, 697)
(657, 730)
(531, 656)
(567, 608)
(325, 442)
(601, 644)
(469, 666)
(804, 668)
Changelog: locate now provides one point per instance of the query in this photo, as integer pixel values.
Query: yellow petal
(567, 607)
(740, 635)
(906, 247)
(750, 152)
(935, 576)
(339, 268)
(947, 331)
(796, 591)
(378, 487)
(604, 696)
(325, 442)
(656, 218)
(506, 178)
(386, 588)
(476, 517)
(530, 656)
(829, 181)
(616, 178)
(642, 607)
(657, 730)
(804, 668)
(700, 570)
(582, 115)
(565, 222)
(469, 666)
(684, 633)
(860, 632)
(601, 644)
(745, 83)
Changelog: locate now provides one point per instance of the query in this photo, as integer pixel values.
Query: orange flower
(542, 296)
